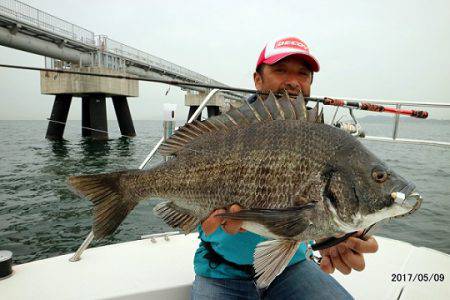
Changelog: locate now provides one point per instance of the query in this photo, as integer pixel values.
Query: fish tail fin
(112, 200)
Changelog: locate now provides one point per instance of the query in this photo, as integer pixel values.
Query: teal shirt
(238, 248)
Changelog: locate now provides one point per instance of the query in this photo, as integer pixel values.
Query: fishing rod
(371, 107)
(361, 105)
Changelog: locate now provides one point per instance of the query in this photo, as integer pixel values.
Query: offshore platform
(67, 46)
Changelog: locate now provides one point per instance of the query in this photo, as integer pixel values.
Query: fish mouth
(408, 189)
(406, 201)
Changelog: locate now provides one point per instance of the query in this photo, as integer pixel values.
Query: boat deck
(163, 269)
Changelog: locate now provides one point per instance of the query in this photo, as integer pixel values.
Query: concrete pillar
(58, 117)
(96, 104)
(123, 116)
(93, 91)
(213, 111)
(192, 110)
(193, 100)
(85, 117)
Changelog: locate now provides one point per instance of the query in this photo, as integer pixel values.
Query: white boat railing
(395, 131)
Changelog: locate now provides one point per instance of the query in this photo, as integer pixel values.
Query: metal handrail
(406, 141)
(150, 155)
(396, 123)
(90, 236)
(27, 14)
(112, 46)
(117, 48)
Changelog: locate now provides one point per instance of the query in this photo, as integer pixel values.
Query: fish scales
(244, 166)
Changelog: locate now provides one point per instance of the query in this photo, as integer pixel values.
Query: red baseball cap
(280, 48)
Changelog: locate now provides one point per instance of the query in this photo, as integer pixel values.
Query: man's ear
(257, 78)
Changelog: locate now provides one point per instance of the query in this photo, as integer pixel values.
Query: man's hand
(229, 226)
(347, 255)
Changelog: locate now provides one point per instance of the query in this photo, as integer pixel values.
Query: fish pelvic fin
(176, 216)
(111, 199)
(270, 109)
(271, 258)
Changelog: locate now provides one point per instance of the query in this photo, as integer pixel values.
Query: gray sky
(367, 49)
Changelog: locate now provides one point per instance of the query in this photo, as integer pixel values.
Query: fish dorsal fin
(261, 108)
(287, 107)
(300, 107)
(313, 113)
(320, 118)
(272, 108)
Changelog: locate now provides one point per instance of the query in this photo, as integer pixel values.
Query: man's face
(290, 74)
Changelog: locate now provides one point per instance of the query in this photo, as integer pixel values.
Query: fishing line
(362, 105)
(84, 127)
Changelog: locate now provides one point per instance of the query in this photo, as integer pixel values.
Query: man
(222, 262)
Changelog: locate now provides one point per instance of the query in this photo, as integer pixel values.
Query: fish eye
(379, 175)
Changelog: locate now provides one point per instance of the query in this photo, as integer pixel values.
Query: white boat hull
(164, 270)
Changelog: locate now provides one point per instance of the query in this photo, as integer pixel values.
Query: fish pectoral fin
(284, 222)
(271, 258)
(176, 216)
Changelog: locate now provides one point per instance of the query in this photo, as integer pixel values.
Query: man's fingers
(212, 222)
(337, 262)
(230, 226)
(325, 252)
(233, 226)
(326, 265)
(350, 258)
(235, 208)
(362, 246)
(347, 255)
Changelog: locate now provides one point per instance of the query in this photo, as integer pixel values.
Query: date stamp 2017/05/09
(417, 277)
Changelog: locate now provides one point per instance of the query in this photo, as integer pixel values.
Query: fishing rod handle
(419, 114)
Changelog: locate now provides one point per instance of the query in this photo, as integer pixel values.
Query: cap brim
(308, 58)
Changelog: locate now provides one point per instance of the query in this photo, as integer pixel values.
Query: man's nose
(292, 82)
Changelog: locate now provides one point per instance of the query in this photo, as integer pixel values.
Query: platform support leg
(192, 110)
(58, 117)
(123, 116)
(94, 113)
(85, 117)
(213, 111)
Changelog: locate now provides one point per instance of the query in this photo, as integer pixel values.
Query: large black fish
(296, 180)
